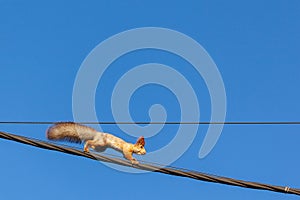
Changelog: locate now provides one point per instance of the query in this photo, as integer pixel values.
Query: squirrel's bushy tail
(71, 132)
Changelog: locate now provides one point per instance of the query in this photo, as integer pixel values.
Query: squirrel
(99, 141)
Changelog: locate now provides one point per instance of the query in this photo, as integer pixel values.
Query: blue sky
(255, 45)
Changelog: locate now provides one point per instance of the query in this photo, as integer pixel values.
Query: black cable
(170, 123)
(153, 168)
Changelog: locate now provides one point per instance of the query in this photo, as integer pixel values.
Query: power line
(152, 168)
(167, 123)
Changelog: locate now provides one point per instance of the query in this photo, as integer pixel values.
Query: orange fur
(98, 141)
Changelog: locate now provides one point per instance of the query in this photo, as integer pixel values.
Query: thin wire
(169, 123)
(171, 171)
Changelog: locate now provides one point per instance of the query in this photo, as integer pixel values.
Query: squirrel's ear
(141, 141)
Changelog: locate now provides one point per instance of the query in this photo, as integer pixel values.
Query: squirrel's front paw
(134, 162)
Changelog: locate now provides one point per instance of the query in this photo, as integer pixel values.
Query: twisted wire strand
(168, 170)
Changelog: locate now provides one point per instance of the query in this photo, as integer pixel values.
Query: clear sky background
(255, 45)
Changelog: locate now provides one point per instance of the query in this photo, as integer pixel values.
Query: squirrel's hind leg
(87, 145)
(95, 144)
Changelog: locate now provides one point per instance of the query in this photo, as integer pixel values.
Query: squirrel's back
(71, 132)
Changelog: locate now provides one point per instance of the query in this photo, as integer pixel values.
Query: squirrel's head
(139, 146)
